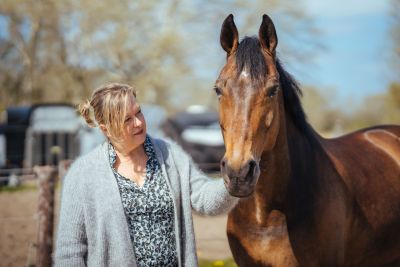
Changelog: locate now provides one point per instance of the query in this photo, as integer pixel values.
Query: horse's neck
(316, 200)
(288, 165)
(313, 188)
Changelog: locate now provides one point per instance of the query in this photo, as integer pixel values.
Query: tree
(395, 36)
(382, 108)
(57, 50)
(34, 61)
(392, 104)
(60, 50)
(321, 114)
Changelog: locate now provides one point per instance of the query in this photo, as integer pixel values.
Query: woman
(129, 201)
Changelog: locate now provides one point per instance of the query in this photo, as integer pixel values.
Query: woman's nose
(138, 122)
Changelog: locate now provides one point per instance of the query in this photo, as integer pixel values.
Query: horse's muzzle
(242, 181)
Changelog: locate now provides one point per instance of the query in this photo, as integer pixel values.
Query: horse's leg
(240, 255)
(255, 245)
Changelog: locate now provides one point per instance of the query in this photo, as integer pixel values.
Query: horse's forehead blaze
(245, 74)
(243, 104)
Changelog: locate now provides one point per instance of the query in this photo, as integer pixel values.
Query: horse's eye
(217, 91)
(272, 91)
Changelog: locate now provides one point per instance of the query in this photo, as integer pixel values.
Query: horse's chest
(260, 244)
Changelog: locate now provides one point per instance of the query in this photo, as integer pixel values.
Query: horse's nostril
(252, 166)
(223, 163)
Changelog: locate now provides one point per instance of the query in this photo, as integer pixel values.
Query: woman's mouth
(139, 132)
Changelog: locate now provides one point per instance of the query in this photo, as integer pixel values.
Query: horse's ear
(229, 37)
(267, 35)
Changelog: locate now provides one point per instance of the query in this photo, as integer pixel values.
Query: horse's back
(368, 161)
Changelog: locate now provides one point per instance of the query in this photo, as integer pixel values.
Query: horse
(304, 200)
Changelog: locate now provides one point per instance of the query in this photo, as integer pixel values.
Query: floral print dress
(150, 213)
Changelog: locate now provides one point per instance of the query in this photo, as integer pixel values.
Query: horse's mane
(250, 57)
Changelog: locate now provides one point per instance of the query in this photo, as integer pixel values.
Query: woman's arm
(71, 243)
(208, 195)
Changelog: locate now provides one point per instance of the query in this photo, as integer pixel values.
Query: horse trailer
(42, 135)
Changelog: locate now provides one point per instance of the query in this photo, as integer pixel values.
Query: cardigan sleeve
(208, 196)
(71, 242)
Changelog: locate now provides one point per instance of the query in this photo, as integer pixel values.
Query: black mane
(250, 57)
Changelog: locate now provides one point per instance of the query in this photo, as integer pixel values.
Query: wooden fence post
(47, 176)
(63, 167)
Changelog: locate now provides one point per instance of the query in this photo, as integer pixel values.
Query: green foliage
(20, 188)
(383, 108)
(394, 95)
(329, 120)
(321, 114)
(395, 34)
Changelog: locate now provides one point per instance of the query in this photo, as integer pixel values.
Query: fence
(37, 240)
(43, 219)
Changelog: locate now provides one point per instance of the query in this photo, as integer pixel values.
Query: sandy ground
(18, 231)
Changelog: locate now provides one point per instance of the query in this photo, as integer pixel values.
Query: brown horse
(336, 200)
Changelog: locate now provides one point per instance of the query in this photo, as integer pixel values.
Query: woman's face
(134, 130)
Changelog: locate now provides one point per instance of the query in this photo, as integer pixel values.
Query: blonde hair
(108, 106)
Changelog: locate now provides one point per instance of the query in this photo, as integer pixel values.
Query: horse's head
(248, 92)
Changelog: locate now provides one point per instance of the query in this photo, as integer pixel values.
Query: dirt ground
(18, 226)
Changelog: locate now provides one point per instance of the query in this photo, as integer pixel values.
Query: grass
(24, 187)
(217, 263)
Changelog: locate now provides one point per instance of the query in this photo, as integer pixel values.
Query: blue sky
(354, 63)
(355, 34)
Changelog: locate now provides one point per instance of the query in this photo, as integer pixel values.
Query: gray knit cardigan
(93, 229)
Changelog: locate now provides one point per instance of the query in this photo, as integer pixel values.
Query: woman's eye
(128, 119)
(217, 91)
(272, 91)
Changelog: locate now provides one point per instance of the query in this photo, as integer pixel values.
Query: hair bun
(85, 111)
